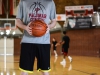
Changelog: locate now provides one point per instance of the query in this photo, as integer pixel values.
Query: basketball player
(65, 45)
(54, 44)
(31, 46)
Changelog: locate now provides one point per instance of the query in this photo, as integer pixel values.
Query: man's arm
(62, 42)
(20, 24)
(52, 24)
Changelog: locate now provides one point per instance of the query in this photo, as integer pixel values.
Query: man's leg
(64, 56)
(55, 51)
(64, 59)
(43, 58)
(25, 64)
(69, 57)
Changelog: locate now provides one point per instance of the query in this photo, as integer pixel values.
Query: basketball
(39, 28)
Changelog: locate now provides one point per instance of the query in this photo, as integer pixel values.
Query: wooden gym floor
(81, 65)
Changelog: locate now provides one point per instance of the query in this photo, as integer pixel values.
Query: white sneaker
(70, 59)
(63, 62)
(64, 65)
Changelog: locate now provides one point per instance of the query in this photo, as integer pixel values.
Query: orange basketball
(39, 28)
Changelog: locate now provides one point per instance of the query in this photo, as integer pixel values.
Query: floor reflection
(86, 66)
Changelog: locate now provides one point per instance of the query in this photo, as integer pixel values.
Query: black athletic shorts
(29, 52)
(65, 50)
(54, 48)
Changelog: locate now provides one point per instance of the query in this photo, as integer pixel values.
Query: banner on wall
(79, 22)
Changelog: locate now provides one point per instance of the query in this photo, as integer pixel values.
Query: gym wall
(84, 42)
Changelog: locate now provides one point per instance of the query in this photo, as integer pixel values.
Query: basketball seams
(41, 24)
(38, 29)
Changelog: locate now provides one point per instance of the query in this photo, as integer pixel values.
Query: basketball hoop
(7, 28)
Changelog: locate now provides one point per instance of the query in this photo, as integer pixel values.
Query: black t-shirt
(54, 43)
(66, 39)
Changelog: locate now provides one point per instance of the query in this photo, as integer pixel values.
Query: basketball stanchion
(5, 31)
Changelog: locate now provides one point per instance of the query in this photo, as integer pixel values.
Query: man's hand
(57, 44)
(48, 29)
(29, 29)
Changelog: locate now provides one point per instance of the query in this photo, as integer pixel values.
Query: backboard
(6, 24)
(9, 29)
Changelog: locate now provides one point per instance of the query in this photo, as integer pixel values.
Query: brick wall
(84, 42)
